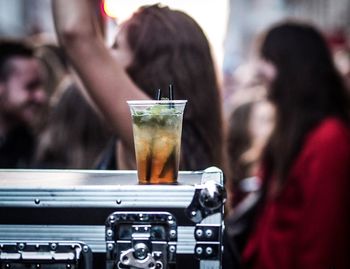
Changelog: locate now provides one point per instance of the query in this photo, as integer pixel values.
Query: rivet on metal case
(110, 246)
(21, 246)
(209, 250)
(53, 246)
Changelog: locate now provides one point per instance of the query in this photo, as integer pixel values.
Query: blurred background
(232, 26)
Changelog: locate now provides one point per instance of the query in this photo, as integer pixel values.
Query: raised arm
(106, 81)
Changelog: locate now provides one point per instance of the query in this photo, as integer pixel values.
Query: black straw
(171, 92)
(171, 95)
(159, 94)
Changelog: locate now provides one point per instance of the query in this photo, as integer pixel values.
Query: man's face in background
(22, 95)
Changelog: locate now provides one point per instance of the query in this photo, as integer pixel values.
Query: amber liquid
(157, 151)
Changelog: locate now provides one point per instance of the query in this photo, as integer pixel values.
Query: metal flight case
(68, 219)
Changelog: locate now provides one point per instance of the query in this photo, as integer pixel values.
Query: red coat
(307, 225)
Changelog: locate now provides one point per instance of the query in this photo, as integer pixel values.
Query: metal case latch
(141, 240)
(40, 254)
(206, 201)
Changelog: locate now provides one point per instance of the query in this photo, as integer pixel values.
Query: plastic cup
(157, 128)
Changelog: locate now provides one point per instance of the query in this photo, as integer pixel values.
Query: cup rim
(155, 102)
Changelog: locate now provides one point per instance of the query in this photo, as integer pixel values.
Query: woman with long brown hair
(155, 47)
(303, 221)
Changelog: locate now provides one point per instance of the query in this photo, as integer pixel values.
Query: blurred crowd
(280, 130)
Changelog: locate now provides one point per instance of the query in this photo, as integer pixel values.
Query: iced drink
(157, 127)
